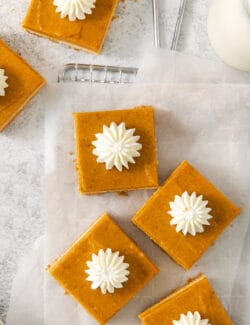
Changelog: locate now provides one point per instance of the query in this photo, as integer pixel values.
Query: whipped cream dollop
(3, 83)
(189, 213)
(116, 146)
(191, 319)
(74, 9)
(107, 271)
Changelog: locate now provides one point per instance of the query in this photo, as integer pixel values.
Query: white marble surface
(21, 144)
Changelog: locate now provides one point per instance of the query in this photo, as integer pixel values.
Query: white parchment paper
(164, 66)
(206, 124)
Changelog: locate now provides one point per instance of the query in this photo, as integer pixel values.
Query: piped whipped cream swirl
(191, 319)
(74, 9)
(107, 271)
(3, 83)
(116, 146)
(189, 213)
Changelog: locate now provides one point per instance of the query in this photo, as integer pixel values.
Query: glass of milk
(228, 29)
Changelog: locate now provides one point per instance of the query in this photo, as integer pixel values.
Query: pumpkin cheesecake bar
(103, 269)
(81, 25)
(185, 215)
(18, 84)
(116, 150)
(195, 303)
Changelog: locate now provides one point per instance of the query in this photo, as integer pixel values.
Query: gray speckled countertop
(21, 144)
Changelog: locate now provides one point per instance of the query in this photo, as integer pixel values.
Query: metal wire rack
(103, 74)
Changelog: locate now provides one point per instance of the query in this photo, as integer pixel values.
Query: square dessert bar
(196, 296)
(89, 34)
(23, 83)
(154, 218)
(70, 269)
(93, 176)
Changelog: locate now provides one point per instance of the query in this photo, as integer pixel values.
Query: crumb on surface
(122, 193)
(47, 267)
